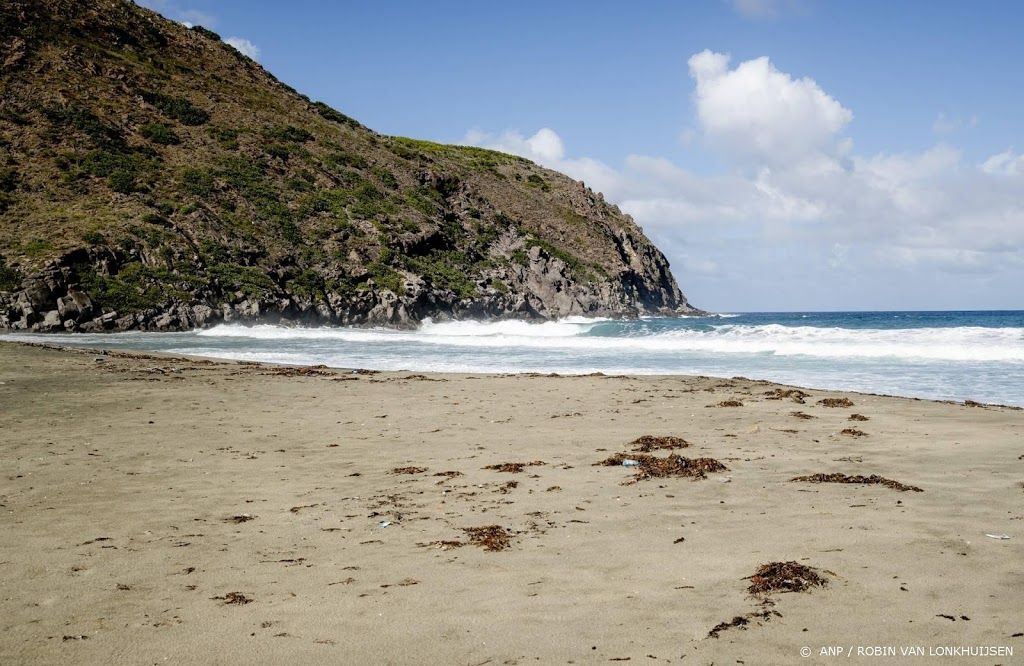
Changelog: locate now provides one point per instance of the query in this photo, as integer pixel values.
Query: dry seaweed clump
(741, 621)
(796, 395)
(651, 467)
(309, 371)
(234, 598)
(409, 470)
(835, 402)
(853, 432)
(802, 415)
(784, 577)
(728, 403)
(858, 417)
(874, 479)
(489, 537)
(514, 468)
(649, 443)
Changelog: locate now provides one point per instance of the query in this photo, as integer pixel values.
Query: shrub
(288, 133)
(343, 159)
(10, 277)
(446, 270)
(159, 134)
(94, 238)
(386, 277)
(178, 108)
(197, 181)
(209, 34)
(276, 150)
(158, 220)
(227, 137)
(308, 283)
(8, 180)
(122, 180)
(533, 180)
(334, 115)
(250, 280)
(85, 121)
(386, 178)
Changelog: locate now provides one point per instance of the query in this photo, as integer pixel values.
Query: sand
(160, 510)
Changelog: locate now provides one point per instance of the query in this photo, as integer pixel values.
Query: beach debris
(310, 371)
(409, 470)
(384, 523)
(673, 465)
(443, 545)
(998, 536)
(858, 417)
(784, 577)
(403, 583)
(835, 402)
(241, 518)
(802, 415)
(874, 479)
(648, 443)
(514, 468)
(853, 432)
(78, 637)
(489, 537)
(296, 509)
(630, 463)
(741, 621)
(234, 598)
(796, 395)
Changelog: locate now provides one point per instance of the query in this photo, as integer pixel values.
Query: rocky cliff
(152, 177)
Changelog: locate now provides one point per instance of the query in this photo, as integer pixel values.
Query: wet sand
(167, 510)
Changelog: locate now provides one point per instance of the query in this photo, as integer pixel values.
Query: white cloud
(802, 221)
(755, 112)
(1005, 164)
(244, 46)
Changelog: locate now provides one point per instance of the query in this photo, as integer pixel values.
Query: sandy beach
(170, 510)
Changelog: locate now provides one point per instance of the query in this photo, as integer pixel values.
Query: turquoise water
(940, 355)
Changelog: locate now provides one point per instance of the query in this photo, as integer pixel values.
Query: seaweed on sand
(784, 577)
(514, 468)
(648, 443)
(651, 467)
(835, 402)
(489, 537)
(874, 479)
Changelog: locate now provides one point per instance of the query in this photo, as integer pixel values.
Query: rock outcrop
(155, 178)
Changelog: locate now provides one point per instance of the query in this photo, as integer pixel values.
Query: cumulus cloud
(244, 46)
(757, 112)
(800, 216)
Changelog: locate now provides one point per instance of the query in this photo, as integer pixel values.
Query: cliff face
(152, 177)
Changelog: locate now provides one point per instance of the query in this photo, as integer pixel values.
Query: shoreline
(129, 353)
(160, 506)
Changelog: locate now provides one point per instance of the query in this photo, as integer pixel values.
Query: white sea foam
(945, 344)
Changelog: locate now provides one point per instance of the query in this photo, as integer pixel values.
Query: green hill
(153, 177)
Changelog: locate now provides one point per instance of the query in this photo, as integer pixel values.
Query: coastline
(144, 489)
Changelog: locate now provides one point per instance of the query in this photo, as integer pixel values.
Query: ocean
(938, 355)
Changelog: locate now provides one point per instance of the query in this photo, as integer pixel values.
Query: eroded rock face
(544, 288)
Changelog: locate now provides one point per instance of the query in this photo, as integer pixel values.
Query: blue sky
(784, 154)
